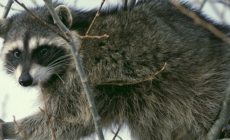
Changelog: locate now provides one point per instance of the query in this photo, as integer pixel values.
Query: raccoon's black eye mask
(42, 51)
(47, 54)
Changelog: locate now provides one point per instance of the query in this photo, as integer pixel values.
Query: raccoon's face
(32, 52)
(34, 60)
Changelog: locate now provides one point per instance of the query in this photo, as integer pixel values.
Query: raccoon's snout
(25, 80)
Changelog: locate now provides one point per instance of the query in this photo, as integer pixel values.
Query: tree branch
(7, 8)
(222, 120)
(43, 22)
(91, 25)
(202, 5)
(116, 134)
(201, 22)
(224, 114)
(79, 68)
(19, 129)
(135, 82)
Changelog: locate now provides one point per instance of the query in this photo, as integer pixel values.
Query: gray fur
(3, 27)
(182, 102)
(64, 14)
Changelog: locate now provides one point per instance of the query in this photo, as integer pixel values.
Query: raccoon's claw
(226, 131)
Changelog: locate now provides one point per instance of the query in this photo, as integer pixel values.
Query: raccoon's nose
(25, 80)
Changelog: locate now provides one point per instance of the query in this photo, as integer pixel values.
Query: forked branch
(91, 25)
(79, 68)
(19, 129)
(135, 82)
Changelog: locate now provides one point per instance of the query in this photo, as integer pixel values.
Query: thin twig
(116, 134)
(201, 22)
(224, 114)
(35, 2)
(92, 37)
(19, 129)
(135, 82)
(1, 130)
(43, 22)
(224, 2)
(216, 10)
(202, 5)
(91, 25)
(46, 113)
(63, 120)
(80, 70)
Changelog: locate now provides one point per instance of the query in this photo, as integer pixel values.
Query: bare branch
(202, 4)
(201, 22)
(222, 120)
(224, 115)
(91, 25)
(46, 113)
(80, 70)
(92, 37)
(43, 22)
(19, 129)
(35, 2)
(116, 134)
(63, 120)
(7, 8)
(136, 82)
(226, 3)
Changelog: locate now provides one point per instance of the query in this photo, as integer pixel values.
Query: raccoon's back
(185, 97)
(142, 40)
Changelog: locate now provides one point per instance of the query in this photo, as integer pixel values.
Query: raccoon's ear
(3, 27)
(65, 15)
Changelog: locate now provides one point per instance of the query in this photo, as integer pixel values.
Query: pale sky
(21, 102)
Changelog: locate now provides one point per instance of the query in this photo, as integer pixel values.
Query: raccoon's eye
(44, 51)
(17, 54)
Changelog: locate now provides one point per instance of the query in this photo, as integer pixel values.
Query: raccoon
(180, 102)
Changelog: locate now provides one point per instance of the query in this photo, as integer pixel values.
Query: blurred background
(21, 102)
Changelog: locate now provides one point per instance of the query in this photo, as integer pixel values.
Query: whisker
(9, 68)
(57, 63)
(50, 57)
(60, 79)
(63, 61)
(62, 58)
